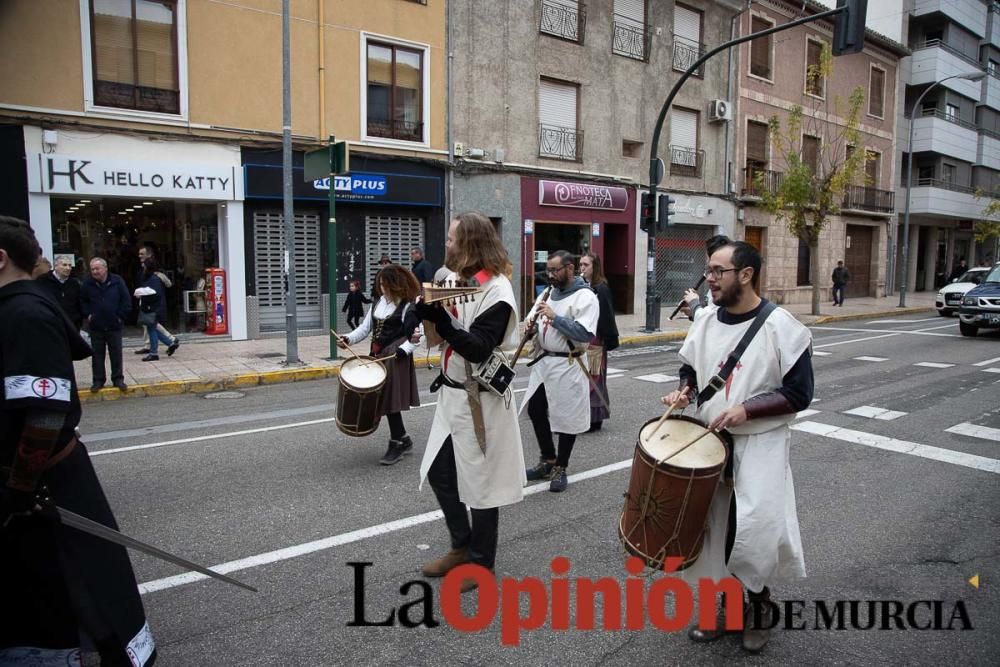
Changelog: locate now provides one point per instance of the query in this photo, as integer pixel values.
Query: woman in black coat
(354, 304)
(604, 341)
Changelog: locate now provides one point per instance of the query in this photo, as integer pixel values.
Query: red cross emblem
(729, 380)
(44, 387)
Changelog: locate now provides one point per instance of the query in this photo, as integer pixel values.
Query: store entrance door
(573, 237)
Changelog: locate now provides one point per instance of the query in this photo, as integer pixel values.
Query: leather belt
(442, 379)
(547, 353)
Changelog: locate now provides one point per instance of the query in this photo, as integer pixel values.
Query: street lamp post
(975, 75)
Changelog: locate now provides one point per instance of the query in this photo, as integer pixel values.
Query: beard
(729, 296)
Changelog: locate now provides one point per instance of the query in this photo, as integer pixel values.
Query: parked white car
(949, 299)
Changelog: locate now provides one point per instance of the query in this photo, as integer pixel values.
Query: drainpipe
(320, 4)
(448, 117)
(730, 174)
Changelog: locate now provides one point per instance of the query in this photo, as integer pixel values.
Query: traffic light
(849, 27)
(647, 214)
(664, 211)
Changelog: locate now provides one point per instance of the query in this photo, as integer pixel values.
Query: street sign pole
(331, 244)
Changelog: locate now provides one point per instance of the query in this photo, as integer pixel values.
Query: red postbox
(216, 308)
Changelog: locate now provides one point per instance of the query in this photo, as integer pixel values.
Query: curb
(284, 376)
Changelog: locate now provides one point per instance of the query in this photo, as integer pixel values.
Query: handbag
(146, 319)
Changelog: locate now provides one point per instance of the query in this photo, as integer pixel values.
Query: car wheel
(944, 312)
(966, 329)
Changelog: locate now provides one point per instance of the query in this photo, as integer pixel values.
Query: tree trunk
(814, 273)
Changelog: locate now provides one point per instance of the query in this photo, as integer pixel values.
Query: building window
(756, 159)
(815, 81)
(760, 49)
(876, 92)
(802, 272)
(563, 18)
(951, 112)
(631, 36)
(873, 168)
(948, 173)
(994, 67)
(631, 148)
(395, 92)
(558, 136)
(134, 55)
(687, 39)
(685, 158)
(810, 153)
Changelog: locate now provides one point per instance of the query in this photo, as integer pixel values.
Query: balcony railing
(939, 44)
(564, 20)
(686, 52)
(944, 185)
(561, 143)
(686, 161)
(631, 38)
(863, 198)
(396, 129)
(757, 181)
(937, 113)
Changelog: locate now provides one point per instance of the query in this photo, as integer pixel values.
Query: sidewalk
(205, 365)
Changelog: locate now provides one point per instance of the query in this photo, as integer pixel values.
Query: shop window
(395, 98)
(134, 46)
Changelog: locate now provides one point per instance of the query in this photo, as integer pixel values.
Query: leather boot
(757, 621)
(696, 634)
(446, 563)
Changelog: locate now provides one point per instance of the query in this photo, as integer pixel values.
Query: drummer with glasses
(753, 530)
(391, 323)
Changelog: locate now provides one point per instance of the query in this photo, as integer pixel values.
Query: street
(896, 469)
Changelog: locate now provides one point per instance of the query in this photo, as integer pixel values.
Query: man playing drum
(753, 529)
(473, 456)
(558, 395)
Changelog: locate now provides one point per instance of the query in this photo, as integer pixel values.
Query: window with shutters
(631, 36)
(393, 236)
(558, 136)
(135, 55)
(563, 18)
(876, 92)
(687, 39)
(802, 272)
(815, 81)
(873, 168)
(395, 99)
(810, 152)
(685, 158)
(761, 49)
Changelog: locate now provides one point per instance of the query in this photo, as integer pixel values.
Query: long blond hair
(478, 247)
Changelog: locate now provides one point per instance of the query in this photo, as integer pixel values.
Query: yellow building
(130, 122)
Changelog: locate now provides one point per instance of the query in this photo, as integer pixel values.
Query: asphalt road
(897, 502)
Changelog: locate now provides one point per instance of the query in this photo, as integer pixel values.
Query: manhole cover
(226, 394)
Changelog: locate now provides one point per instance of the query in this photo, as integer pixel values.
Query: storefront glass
(184, 236)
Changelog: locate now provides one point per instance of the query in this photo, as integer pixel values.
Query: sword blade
(96, 529)
(593, 385)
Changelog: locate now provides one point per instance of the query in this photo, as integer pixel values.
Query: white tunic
(768, 546)
(496, 478)
(567, 386)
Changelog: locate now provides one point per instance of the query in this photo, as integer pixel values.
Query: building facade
(773, 80)
(130, 122)
(554, 103)
(956, 132)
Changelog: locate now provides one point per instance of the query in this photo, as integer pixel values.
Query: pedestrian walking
(354, 304)
(422, 269)
(604, 340)
(152, 297)
(105, 304)
(68, 597)
(841, 276)
(146, 254)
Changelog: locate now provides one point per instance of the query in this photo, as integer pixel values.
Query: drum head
(676, 432)
(363, 376)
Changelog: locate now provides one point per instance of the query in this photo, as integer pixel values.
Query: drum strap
(717, 382)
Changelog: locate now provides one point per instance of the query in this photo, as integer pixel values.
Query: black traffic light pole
(652, 300)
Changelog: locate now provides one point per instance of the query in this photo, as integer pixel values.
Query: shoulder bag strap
(718, 381)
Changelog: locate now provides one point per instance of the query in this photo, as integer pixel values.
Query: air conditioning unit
(719, 110)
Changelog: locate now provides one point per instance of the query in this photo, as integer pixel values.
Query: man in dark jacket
(105, 303)
(65, 289)
(422, 269)
(840, 278)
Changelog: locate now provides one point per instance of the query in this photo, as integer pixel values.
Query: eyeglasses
(553, 272)
(715, 273)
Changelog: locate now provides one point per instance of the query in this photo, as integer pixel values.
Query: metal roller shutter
(556, 104)
(684, 129)
(687, 24)
(391, 236)
(269, 249)
(632, 9)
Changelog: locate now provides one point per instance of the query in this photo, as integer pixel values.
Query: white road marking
(651, 349)
(983, 432)
(991, 370)
(933, 364)
(854, 340)
(820, 353)
(346, 538)
(615, 371)
(806, 413)
(234, 434)
(875, 359)
(893, 331)
(987, 362)
(926, 319)
(943, 326)
(658, 378)
(871, 412)
(900, 446)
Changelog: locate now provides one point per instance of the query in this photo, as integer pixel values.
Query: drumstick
(706, 433)
(666, 414)
(363, 362)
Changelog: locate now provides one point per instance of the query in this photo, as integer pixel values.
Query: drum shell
(680, 501)
(359, 409)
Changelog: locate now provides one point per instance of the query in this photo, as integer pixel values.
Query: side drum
(670, 491)
(360, 396)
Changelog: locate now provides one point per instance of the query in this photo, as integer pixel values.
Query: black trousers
(481, 537)
(112, 342)
(538, 413)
